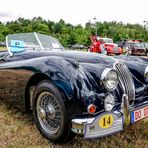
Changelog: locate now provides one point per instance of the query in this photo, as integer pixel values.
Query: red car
(104, 45)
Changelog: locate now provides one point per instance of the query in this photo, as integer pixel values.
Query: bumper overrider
(108, 123)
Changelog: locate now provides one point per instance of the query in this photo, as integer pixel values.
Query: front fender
(79, 82)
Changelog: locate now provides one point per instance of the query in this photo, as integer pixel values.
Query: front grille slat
(125, 80)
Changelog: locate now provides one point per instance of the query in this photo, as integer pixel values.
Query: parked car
(78, 46)
(104, 46)
(2, 44)
(71, 91)
(133, 47)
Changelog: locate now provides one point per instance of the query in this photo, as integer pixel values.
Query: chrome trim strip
(146, 74)
(38, 40)
(82, 121)
(8, 48)
(78, 125)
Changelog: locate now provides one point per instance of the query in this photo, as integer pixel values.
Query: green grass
(17, 130)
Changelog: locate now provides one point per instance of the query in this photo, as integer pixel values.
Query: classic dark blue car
(72, 92)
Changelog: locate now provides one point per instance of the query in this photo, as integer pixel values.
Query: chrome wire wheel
(48, 112)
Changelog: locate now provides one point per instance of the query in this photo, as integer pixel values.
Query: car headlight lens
(109, 79)
(146, 74)
(109, 102)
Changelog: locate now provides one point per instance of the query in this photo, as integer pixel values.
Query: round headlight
(146, 74)
(109, 79)
(109, 102)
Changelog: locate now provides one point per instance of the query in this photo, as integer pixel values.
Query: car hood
(90, 61)
(81, 57)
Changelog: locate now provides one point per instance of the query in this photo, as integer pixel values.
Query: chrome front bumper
(78, 125)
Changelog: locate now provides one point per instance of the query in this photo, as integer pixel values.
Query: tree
(69, 34)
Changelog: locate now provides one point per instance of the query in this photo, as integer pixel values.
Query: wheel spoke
(48, 112)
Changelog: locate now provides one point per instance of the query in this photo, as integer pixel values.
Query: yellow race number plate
(104, 124)
(106, 121)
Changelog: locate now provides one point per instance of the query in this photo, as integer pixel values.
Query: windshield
(35, 41)
(49, 42)
(139, 45)
(108, 40)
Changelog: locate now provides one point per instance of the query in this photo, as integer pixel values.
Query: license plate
(139, 114)
(103, 125)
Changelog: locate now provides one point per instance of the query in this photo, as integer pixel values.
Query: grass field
(17, 130)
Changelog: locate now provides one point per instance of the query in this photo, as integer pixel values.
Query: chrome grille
(125, 80)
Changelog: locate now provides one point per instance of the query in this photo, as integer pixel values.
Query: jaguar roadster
(72, 92)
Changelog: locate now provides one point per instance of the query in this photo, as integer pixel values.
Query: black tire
(50, 113)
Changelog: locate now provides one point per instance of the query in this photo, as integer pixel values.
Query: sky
(76, 11)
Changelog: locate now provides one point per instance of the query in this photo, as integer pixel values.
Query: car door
(13, 82)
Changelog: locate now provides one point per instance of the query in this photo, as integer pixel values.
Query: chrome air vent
(125, 80)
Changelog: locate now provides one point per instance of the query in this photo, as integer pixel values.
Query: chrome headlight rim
(105, 75)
